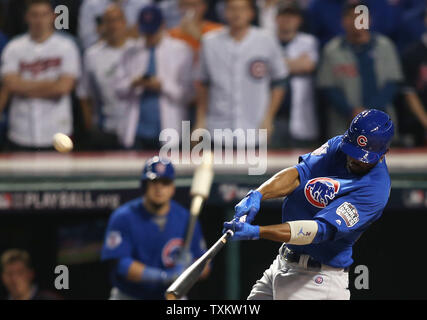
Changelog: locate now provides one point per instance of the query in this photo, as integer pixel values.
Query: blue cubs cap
(158, 168)
(150, 19)
(369, 136)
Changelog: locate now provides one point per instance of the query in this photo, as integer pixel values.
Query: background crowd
(126, 69)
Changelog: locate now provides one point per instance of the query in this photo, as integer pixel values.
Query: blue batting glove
(242, 230)
(249, 206)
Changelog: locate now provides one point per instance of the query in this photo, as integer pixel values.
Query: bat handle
(229, 234)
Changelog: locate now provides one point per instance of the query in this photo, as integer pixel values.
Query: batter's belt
(303, 260)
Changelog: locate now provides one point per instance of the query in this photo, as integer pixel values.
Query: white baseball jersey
(91, 9)
(303, 123)
(100, 65)
(34, 121)
(239, 76)
(174, 63)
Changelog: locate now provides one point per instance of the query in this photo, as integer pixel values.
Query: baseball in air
(62, 143)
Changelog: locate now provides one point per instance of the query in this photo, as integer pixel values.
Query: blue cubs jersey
(133, 233)
(343, 202)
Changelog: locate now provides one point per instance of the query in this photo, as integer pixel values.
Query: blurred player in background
(96, 88)
(18, 275)
(145, 236)
(242, 77)
(39, 70)
(331, 197)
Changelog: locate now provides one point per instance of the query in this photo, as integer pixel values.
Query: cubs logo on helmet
(171, 251)
(369, 136)
(362, 140)
(160, 168)
(320, 191)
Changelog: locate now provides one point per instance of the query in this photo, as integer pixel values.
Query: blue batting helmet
(157, 168)
(369, 136)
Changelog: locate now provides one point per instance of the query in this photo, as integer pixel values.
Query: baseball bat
(189, 277)
(200, 188)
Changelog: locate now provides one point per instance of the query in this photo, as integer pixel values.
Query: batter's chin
(357, 171)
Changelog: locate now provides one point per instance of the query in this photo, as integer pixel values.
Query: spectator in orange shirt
(193, 26)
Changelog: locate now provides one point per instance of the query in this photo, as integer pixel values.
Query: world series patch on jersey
(348, 213)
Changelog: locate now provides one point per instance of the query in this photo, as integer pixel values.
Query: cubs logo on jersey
(171, 251)
(258, 69)
(320, 191)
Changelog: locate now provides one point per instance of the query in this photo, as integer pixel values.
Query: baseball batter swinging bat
(189, 277)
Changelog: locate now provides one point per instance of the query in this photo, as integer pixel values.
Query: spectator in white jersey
(300, 52)
(154, 79)
(39, 71)
(103, 112)
(242, 77)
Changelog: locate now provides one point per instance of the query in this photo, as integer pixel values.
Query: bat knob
(170, 296)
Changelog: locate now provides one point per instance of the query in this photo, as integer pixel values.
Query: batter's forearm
(299, 232)
(277, 232)
(280, 185)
